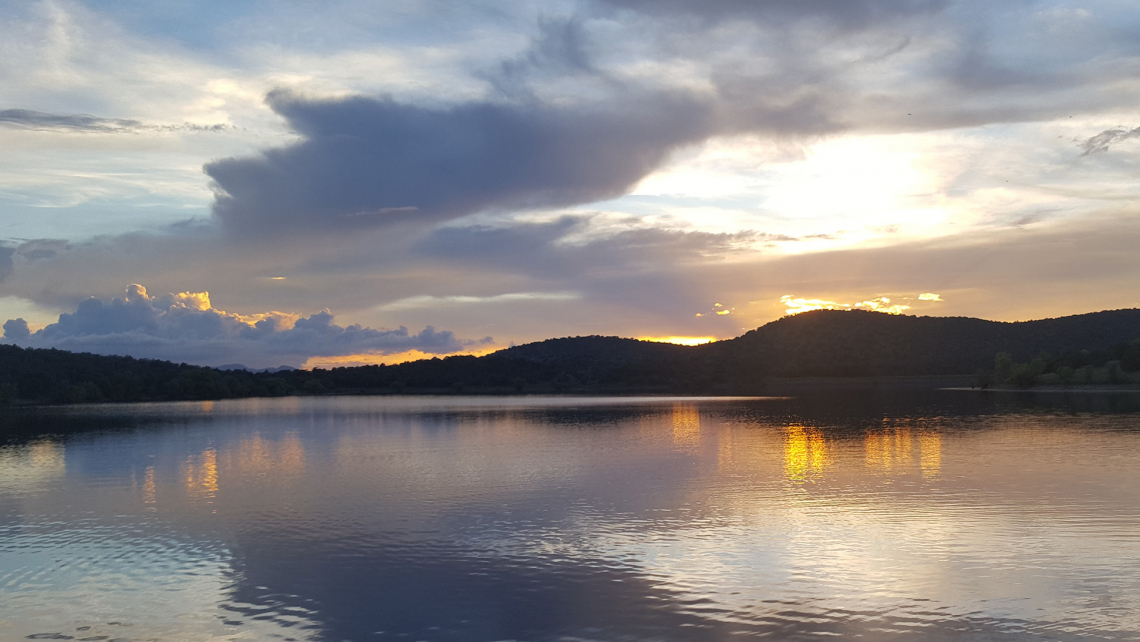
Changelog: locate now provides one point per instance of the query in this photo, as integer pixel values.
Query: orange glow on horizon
(350, 360)
(681, 341)
(797, 305)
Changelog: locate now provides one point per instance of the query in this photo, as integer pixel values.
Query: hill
(58, 376)
(825, 343)
(860, 343)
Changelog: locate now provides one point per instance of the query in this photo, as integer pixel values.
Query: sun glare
(797, 305)
(835, 192)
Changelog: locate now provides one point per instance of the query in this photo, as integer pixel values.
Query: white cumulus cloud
(186, 327)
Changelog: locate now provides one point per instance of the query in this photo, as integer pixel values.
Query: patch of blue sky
(26, 215)
(222, 28)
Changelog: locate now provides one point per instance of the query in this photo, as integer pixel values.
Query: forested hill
(858, 343)
(824, 343)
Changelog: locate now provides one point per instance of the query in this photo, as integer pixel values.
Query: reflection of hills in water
(798, 452)
(666, 520)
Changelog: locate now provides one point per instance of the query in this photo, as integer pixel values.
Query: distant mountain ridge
(824, 343)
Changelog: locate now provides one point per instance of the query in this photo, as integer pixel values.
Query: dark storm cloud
(1101, 141)
(83, 123)
(369, 161)
(183, 327)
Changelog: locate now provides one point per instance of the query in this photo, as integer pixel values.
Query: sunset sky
(317, 183)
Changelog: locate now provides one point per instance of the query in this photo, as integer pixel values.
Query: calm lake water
(909, 515)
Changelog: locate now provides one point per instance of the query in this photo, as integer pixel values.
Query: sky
(314, 184)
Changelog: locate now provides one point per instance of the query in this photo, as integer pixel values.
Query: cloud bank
(595, 104)
(369, 161)
(186, 328)
(843, 14)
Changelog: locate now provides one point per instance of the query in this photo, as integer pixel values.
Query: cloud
(717, 310)
(1101, 141)
(16, 330)
(26, 118)
(589, 105)
(571, 246)
(6, 261)
(635, 284)
(185, 327)
(426, 301)
(83, 123)
(592, 106)
(370, 161)
(846, 14)
(560, 49)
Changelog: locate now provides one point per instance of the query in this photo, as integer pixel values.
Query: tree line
(1119, 364)
(826, 343)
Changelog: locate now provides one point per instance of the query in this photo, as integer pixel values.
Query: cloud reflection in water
(453, 519)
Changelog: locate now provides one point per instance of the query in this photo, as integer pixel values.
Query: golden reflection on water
(880, 453)
(253, 454)
(903, 446)
(149, 488)
(930, 445)
(806, 453)
(291, 454)
(264, 457)
(47, 454)
(33, 465)
(201, 475)
(686, 426)
(725, 452)
(892, 449)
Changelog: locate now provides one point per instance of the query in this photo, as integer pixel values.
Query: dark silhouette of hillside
(58, 376)
(826, 343)
(858, 343)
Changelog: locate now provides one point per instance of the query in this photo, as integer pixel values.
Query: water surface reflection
(942, 515)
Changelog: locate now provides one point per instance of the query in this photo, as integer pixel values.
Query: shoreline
(1052, 389)
(773, 387)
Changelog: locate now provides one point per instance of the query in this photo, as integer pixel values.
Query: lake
(934, 515)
